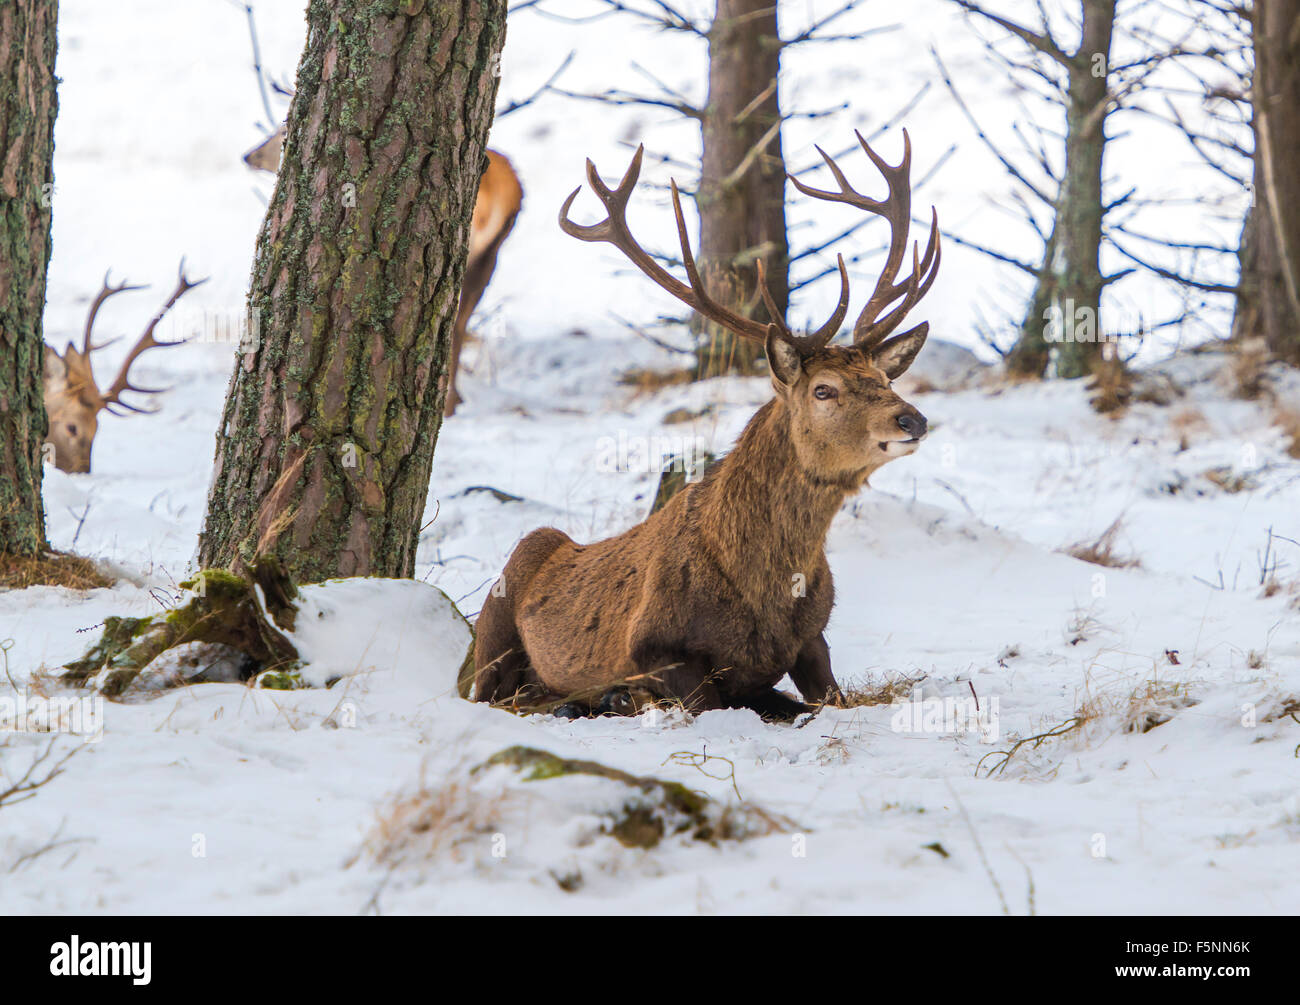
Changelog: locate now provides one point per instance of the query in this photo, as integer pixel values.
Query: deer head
(73, 400)
(266, 155)
(845, 419)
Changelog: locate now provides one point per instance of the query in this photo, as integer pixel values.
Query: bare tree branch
(26, 785)
(1181, 280)
(615, 96)
(1042, 41)
(1011, 169)
(668, 18)
(515, 106)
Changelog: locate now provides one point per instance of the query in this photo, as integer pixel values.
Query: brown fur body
(500, 197)
(726, 590)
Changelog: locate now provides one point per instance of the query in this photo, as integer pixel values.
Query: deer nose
(913, 424)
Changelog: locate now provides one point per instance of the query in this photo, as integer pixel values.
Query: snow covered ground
(951, 570)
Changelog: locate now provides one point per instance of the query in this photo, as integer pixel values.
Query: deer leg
(457, 340)
(775, 706)
(501, 664)
(501, 667)
(618, 700)
(812, 675)
(688, 679)
(624, 699)
(478, 272)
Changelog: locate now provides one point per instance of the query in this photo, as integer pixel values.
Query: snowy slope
(950, 569)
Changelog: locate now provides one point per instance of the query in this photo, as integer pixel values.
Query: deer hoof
(569, 710)
(617, 701)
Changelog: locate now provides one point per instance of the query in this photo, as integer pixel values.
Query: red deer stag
(726, 590)
(500, 197)
(73, 400)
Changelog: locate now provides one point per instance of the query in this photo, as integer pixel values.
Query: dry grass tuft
(743, 821)
(920, 385)
(433, 823)
(1187, 423)
(1110, 387)
(463, 817)
(1289, 422)
(1250, 369)
(1287, 706)
(1230, 481)
(882, 692)
(1102, 550)
(50, 568)
(1150, 704)
(680, 415)
(1153, 704)
(645, 381)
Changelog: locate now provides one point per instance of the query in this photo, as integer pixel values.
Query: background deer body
(73, 400)
(718, 596)
(500, 197)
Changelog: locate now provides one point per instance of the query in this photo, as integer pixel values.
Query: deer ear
(896, 355)
(55, 369)
(783, 357)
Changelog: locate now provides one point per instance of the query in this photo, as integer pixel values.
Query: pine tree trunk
(1268, 302)
(28, 103)
(742, 212)
(1030, 355)
(1263, 309)
(326, 445)
(1063, 326)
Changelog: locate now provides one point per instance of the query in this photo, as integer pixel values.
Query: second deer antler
(871, 329)
(122, 382)
(614, 230)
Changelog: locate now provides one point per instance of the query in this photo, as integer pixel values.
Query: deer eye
(824, 392)
(72, 428)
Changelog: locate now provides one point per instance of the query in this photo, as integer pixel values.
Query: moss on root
(287, 678)
(225, 609)
(656, 809)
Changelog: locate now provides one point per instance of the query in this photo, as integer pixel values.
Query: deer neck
(765, 515)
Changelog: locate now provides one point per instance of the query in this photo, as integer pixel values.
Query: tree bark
(326, 445)
(1063, 327)
(28, 103)
(741, 198)
(1268, 300)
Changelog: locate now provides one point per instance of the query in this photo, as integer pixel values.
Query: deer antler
(106, 290)
(80, 375)
(871, 329)
(614, 230)
(113, 396)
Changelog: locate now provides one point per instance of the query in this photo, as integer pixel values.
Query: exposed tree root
(225, 609)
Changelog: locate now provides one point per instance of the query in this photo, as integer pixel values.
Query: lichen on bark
(327, 440)
(28, 103)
